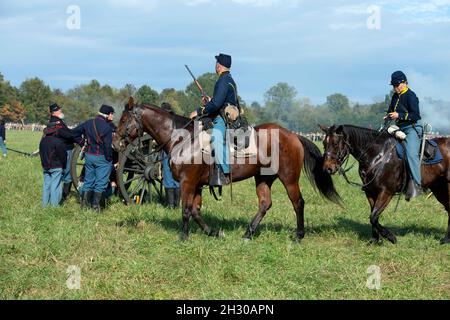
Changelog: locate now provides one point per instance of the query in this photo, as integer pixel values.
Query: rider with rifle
(224, 94)
(404, 109)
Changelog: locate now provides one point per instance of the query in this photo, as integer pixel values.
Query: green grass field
(135, 252)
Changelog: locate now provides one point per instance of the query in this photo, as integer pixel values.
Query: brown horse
(381, 170)
(294, 152)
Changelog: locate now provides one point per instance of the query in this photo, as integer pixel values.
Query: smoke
(436, 113)
(432, 90)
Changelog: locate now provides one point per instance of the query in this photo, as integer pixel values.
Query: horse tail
(319, 178)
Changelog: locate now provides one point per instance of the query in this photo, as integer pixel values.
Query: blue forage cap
(224, 60)
(398, 77)
(54, 107)
(105, 109)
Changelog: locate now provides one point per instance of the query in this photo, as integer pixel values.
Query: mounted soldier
(61, 131)
(404, 109)
(98, 133)
(224, 94)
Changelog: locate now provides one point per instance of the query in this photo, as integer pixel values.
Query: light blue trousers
(67, 178)
(219, 145)
(52, 191)
(97, 172)
(412, 142)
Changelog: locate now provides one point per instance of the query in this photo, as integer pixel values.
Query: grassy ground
(135, 252)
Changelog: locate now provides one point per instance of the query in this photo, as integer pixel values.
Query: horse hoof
(392, 239)
(216, 234)
(184, 237)
(247, 239)
(375, 241)
(445, 241)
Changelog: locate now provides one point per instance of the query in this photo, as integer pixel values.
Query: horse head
(128, 128)
(336, 148)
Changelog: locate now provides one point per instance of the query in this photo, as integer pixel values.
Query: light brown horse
(294, 153)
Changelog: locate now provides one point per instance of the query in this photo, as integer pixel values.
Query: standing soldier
(224, 93)
(54, 161)
(98, 157)
(404, 109)
(66, 135)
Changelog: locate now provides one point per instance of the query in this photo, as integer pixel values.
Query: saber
(426, 129)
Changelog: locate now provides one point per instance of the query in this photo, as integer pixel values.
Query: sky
(319, 47)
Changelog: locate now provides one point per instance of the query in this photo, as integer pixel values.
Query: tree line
(29, 103)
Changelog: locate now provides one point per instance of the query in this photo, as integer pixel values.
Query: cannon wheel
(76, 167)
(139, 172)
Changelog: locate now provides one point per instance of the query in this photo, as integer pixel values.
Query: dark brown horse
(294, 152)
(381, 170)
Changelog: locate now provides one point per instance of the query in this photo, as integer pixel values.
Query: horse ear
(340, 130)
(131, 103)
(324, 128)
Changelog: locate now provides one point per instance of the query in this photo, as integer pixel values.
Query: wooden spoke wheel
(139, 172)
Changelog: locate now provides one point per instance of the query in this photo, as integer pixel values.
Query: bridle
(343, 154)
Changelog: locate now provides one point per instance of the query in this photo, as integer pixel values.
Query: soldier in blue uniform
(404, 109)
(224, 93)
(98, 157)
(62, 132)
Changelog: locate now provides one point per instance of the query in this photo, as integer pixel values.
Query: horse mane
(179, 121)
(363, 136)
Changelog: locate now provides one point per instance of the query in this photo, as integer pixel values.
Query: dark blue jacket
(52, 152)
(2, 132)
(224, 94)
(62, 132)
(406, 105)
(100, 144)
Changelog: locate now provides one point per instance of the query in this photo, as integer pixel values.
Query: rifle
(204, 96)
(24, 153)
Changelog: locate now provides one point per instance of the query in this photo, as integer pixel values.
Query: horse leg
(263, 186)
(381, 203)
(187, 196)
(442, 194)
(196, 214)
(298, 202)
(375, 234)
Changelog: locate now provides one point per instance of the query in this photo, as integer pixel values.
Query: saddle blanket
(250, 151)
(437, 158)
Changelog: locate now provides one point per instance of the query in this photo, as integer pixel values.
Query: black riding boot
(170, 197)
(86, 200)
(103, 202)
(66, 192)
(414, 190)
(216, 176)
(176, 200)
(96, 199)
